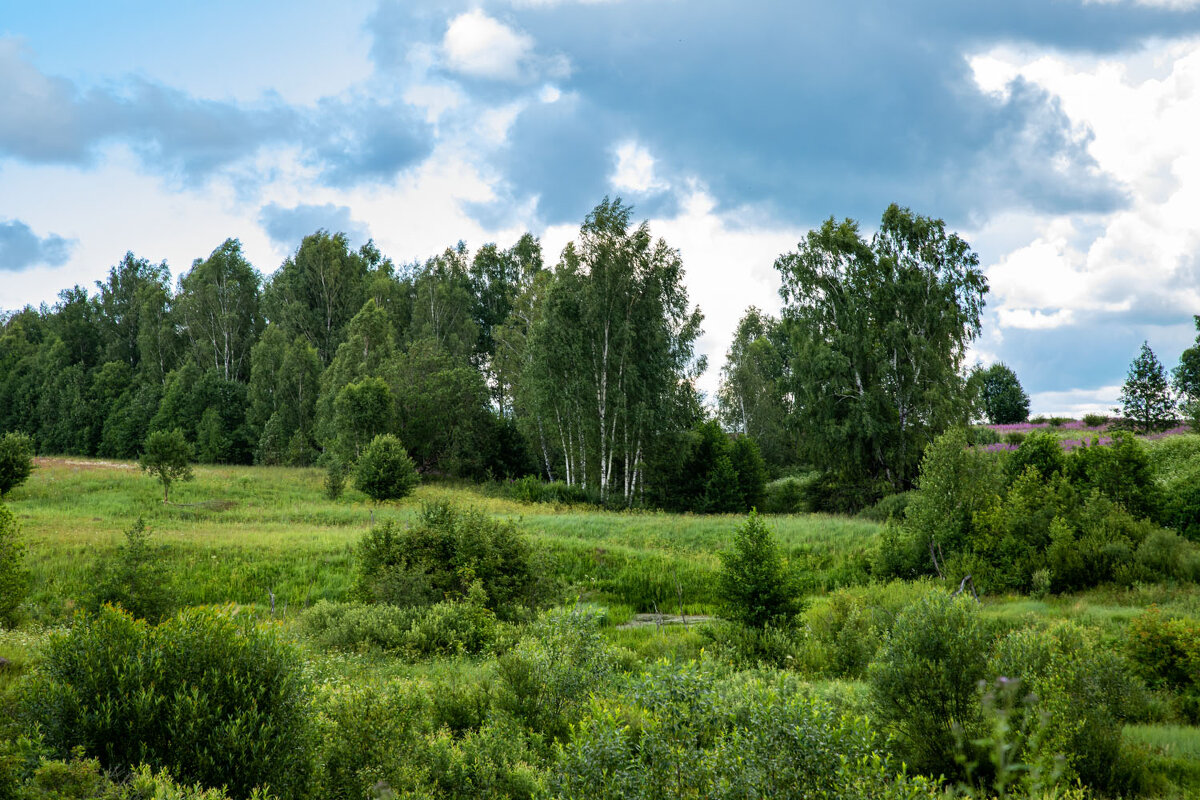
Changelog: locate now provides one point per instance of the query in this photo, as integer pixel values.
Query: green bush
(1040, 450)
(335, 477)
(1014, 437)
(384, 471)
(685, 731)
(1121, 471)
(544, 682)
(447, 628)
(83, 779)
(14, 577)
(831, 493)
(892, 506)
(1166, 653)
(135, 578)
(787, 495)
(212, 697)
(1167, 555)
(1083, 692)
(754, 584)
(924, 679)
(1095, 420)
(442, 555)
(16, 461)
(981, 435)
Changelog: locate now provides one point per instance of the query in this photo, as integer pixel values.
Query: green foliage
(1120, 471)
(880, 331)
(1095, 420)
(1146, 395)
(788, 495)
(362, 412)
(955, 484)
(924, 679)
(135, 578)
(1166, 653)
(335, 478)
(1186, 380)
(754, 584)
(442, 556)
(1040, 450)
(747, 463)
(16, 461)
(447, 629)
(1083, 693)
(82, 778)
(168, 456)
(890, 507)
(685, 732)
(1004, 401)
(707, 472)
(545, 681)
(384, 471)
(209, 696)
(14, 577)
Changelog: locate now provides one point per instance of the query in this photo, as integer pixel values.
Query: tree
(611, 361)
(754, 585)
(1187, 380)
(880, 331)
(362, 412)
(167, 455)
(384, 470)
(16, 461)
(752, 398)
(1146, 396)
(316, 291)
(1004, 401)
(217, 305)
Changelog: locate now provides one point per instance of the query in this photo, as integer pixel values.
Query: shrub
(787, 495)
(1095, 420)
(981, 435)
(167, 455)
(335, 478)
(754, 585)
(832, 493)
(1166, 554)
(384, 470)
(1040, 450)
(544, 682)
(893, 506)
(1166, 653)
(213, 698)
(1014, 437)
(1083, 693)
(14, 578)
(924, 680)
(135, 578)
(442, 555)
(1121, 471)
(751, 472)
(16, 461)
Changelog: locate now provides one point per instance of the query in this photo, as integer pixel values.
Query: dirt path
(646, 620)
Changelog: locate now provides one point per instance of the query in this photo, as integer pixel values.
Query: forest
(468, 528)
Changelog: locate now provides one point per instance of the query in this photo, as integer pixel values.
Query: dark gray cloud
(288, 226)
(21, 248)
(806, 109)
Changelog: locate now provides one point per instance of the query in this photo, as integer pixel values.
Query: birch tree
(880, 331)
(217, 305)
(611, 359)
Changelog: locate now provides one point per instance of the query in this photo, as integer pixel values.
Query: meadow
(268, 541)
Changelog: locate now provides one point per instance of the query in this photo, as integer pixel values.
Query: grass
(236, 534)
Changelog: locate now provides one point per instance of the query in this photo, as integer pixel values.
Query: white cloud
(1075, 402)
(1142, 111)
(482, 47)
(634, 170)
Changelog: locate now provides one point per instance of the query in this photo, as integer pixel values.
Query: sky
(1060, 138)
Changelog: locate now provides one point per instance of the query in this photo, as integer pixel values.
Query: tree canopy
(879, 331)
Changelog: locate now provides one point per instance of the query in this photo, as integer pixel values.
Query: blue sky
(1057, 136)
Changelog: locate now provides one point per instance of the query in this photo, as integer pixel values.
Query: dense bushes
(446, 628)
(1166, 652)
(1039, 519)
(924, 680)
(210, 696)
(16, 461)
(683, 731)
(443, 555)
(14, 578)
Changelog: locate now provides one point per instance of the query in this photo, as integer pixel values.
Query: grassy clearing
(235, 534)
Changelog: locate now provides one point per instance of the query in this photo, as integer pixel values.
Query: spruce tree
(1146, 396)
